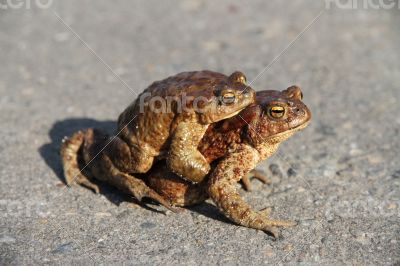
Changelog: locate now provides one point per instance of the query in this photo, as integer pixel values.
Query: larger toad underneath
(238, 144)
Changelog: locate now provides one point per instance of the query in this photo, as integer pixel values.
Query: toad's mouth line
(235, 113)
(289, 132)
(302, 126)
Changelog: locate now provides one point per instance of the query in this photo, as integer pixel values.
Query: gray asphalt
(339, 178)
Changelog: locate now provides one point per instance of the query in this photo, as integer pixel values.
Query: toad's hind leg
(138, 188)
(70, 153)
(104, 169)
(184, 159)
(130, 158)
(141, 159)
(178, 191)
(223, 191)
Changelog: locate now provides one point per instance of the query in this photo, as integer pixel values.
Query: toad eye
(228, 97)
(276, 111)
(241, 79)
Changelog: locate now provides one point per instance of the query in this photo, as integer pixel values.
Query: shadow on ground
(50, 152)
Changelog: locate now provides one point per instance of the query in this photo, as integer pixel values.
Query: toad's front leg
(222, 190)
(184, 159)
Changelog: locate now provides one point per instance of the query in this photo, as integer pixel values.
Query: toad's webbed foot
(260, 175)
(184, 159)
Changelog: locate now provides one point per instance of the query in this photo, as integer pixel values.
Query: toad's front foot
(270, 226)
(260, 220)
(193, 166)
(260, 175)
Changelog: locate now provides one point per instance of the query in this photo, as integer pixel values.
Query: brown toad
(239, 143)
(167, 120)
(173, 115)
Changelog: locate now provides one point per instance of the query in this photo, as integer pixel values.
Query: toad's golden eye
(277, 111)
(228, 97)
(241, 79)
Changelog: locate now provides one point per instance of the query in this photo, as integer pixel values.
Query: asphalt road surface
(68, 65)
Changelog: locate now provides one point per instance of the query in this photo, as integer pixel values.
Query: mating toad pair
(182, 155)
